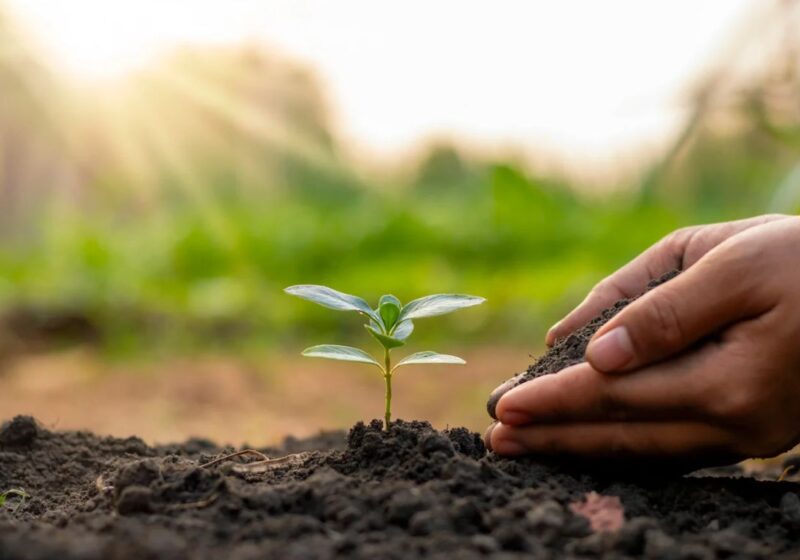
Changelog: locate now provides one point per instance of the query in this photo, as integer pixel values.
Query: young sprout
(391, 323)
(19, 492)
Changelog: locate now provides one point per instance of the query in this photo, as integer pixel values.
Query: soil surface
(569, 350)
(413, 492)
(259, 398)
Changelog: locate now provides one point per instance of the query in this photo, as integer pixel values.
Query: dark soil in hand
(413, 492)
(569, 350)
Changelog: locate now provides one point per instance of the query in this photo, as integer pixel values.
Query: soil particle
(569, 350)
(790, 506)
(140, 473)
(19, 431)
(135, 499)
(411, 492)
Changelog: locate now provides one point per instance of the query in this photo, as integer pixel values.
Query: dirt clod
(19, 431)
(790, 506)
(138, 473)
(135, 499)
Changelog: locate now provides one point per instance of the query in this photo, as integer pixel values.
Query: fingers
(582, 394)
(616, 439)
(679, 250)
(629, 281)
(684, 408)
(499, 391)
(695, 386)
(717, 291)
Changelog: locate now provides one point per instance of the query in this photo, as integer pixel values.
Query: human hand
(705, 366)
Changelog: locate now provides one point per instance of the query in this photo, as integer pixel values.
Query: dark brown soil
(569, 350)
(413, 492)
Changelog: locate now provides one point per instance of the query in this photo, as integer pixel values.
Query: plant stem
(387, 376)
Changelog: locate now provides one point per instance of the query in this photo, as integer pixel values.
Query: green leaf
(403, 329)
(337, 352)
(332, 299)
(389, 309)
(438, 304)
(429, 357)
(387, 341)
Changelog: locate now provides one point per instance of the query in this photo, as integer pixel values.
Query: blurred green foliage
(173, 277)
(193, 210)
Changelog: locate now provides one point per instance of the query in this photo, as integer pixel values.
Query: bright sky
(589, 81)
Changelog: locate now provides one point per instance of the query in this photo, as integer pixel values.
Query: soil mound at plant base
(412, 492)
(569, 350)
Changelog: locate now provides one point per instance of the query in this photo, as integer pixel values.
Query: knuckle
(678, 237)
(603, 288)
(749, 411)
(624, 442)
(676, 242)
(662, 321)
(737, 406)
(740, 258)
(610, 403)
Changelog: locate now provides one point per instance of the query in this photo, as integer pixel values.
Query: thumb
(700, 301)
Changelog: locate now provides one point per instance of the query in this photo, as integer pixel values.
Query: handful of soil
(569, 350)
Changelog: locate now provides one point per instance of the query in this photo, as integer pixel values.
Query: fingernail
(514, 418)
(611, 351)
(498, 392)
(487, 436)
(549, 338)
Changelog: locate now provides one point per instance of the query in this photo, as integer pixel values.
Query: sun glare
(99, 40)
(584, 82)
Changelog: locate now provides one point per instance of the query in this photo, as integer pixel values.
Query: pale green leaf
(429, 357)
(387, 341)
(332, 299)
(389, 309)
(403, 329)
(337, 352)
(438, 304)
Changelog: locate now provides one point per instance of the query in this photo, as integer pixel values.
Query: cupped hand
(705, 366)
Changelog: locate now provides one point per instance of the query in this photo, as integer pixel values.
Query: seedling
(391, 323)
(19, 492)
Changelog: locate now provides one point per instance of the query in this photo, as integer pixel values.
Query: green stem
(387, 376)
